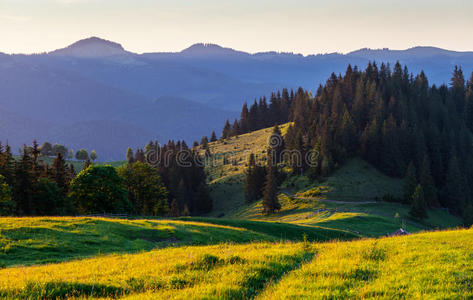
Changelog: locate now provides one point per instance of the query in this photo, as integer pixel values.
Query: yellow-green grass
(436, 265)
(365, 219)
(26, 241)
(356, 180)
(421, 266)
(236, 150)
(220, 271)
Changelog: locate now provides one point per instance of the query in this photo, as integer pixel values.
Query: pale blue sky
(303, 26)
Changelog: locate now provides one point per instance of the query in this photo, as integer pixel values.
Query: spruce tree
(59, 175)
(419, 206)
(410, 183)
(427, 182)
(227, 130)
(213, 137)
(468, 216)
(270, 194)
(453, 193)
(276, 143)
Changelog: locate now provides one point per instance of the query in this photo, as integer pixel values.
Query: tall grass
(435, 265)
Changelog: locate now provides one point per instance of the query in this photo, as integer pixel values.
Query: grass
(28, 241)
(434, 265)
(426, 265)
(366, 219)
(356, 181)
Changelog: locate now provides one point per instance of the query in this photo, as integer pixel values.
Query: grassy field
(27, 241)
(435, 265)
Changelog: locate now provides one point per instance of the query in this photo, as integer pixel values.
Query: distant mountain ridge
(85, 90)
(91, 47)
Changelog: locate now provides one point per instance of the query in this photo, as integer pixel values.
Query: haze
(302, 26)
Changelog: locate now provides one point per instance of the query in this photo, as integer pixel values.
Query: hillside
(353, 198)
(427, 265)
(39, 240)
(126, 99)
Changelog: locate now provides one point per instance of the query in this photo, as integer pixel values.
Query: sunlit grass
(436, 265)
(26, 241)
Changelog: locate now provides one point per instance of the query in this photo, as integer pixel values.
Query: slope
(427, 265)
(356, 197)
(27, 241)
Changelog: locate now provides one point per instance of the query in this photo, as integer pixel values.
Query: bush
(99, 189)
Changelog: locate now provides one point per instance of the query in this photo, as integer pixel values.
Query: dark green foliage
(270, 193)
(204, 142)
(427, 182)
(227, 130)
(389, 118)
(35, 187)
(48, 198)
(146, 191)
(182, 172)
(454, 196)
(46, 149)
(99, 189)
(7, 206)
(276, 143)
(82, 154)
(410, 184)
(57, 148)
(468, 216)
(130, 156)
(255, 177)
(213, 137)
(419, 206)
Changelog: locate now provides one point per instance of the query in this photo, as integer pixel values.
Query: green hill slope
(26, 241)
(421, 266)
(353, 198)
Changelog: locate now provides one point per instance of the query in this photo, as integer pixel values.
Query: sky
(300, 26)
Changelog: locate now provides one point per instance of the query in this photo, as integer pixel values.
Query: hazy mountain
(91, 47)
(95, 94)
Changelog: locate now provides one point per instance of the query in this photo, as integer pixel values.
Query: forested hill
(127, 99)
(398, 122)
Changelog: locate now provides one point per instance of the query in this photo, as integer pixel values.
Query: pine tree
(244, 119)
(227, 130)
(427, 182)
(213, 137)
(453, 193)
(270, 194)
(58, 174)
(410, 183)
(276, 143)
(468, 216)
(254, 180)
(23, 191)
(204, 142)
(419, 206)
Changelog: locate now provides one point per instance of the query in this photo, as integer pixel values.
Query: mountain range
(95, 94)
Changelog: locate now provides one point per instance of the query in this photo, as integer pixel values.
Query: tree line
(183, 176)
(391, 118)
(31, 187)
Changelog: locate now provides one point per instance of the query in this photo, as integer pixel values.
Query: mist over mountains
(94, 94)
